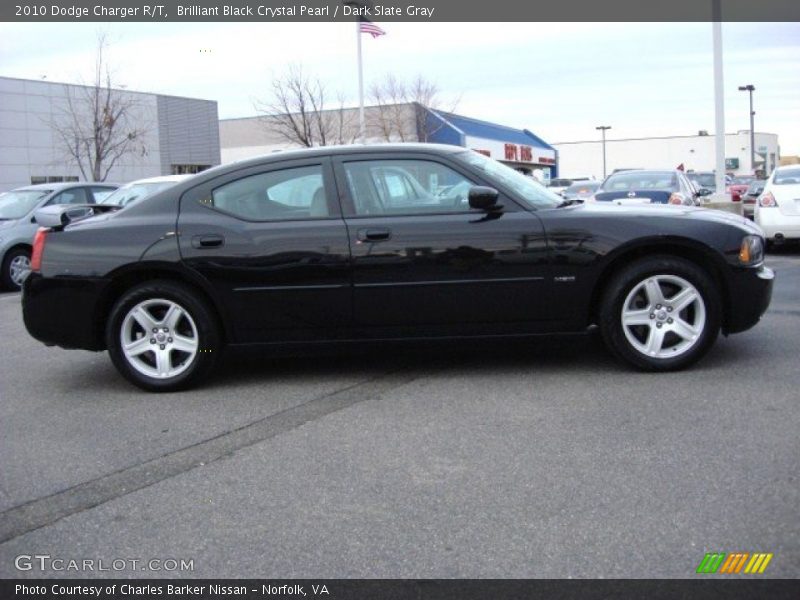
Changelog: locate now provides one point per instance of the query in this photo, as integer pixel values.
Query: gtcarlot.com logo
(734, 562)
(46, 562)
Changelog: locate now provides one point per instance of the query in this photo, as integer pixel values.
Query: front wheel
(161, 337)
(660, 314)
(16, 268)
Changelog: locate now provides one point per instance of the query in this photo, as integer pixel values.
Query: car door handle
(207, 241)
(374, 235)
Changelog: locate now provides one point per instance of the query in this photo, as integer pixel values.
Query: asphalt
(485, 460)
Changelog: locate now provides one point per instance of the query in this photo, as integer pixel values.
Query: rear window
(787, 177)
(640, 180)
(584, 186)
(133, 191)
(559, 182)
(706, 180)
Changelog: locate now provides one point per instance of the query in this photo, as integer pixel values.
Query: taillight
(38, 248)
(767, 200)
(676, 199)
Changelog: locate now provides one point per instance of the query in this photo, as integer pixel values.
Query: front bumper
(61, 311)
(750, 294)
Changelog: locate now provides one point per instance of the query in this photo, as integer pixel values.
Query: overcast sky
(558, 80)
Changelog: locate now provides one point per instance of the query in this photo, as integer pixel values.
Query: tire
(661, 313)
(180, 352)
(16, 267)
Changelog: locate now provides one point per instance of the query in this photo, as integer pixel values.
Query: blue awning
(492, 131)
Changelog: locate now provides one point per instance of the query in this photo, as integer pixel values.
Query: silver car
(17, 225)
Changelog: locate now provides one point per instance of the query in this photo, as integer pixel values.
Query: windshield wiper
(569, 202)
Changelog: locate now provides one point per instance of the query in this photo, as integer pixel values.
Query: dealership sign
(512, 152)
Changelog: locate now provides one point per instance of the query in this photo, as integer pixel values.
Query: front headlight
(751, 250)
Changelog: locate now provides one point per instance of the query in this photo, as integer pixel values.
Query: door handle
(374, 235)
(207, 241)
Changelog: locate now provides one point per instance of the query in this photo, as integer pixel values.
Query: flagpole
(361, 130)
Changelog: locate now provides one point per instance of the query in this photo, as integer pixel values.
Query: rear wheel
(660, 313)
(161, 337)
(16, 268)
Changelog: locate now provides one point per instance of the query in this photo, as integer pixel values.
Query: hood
(672, 211)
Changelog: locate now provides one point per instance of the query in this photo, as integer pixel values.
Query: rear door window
(285, 194)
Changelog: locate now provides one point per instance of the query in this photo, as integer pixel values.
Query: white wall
(585, 159)
(29, 147)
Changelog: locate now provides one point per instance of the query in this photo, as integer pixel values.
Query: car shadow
(784, 249)
(565, 353)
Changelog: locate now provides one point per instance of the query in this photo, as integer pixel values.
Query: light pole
(603, 128)
(750, 88)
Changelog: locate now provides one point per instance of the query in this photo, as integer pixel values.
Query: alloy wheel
(159, 338)
(663, 316)
(19, 268)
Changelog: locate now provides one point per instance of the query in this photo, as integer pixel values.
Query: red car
(739, 186)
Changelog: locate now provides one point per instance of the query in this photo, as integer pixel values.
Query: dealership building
(694, 152)
(181, 135)
(407, 122)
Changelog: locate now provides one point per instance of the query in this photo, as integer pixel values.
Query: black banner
(337, 589)
(397, 10)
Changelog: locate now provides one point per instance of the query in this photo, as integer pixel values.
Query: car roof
(280, 155)
(646, 171)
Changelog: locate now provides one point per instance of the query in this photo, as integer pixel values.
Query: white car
(141, 188)
(778, 207)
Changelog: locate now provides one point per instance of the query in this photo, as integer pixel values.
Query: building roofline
(116, 89)
(266, 116)
(657, 137)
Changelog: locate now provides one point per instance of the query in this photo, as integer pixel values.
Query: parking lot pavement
(545, 460)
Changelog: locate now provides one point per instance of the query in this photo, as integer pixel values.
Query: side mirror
(483, 198)
(704, 192)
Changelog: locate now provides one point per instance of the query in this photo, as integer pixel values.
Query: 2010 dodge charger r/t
(397, 242)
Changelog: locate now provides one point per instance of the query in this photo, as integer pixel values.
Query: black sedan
(368, 243)
(641, 186)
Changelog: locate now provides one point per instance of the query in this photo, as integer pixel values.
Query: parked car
(777, 211)
(558, 185)
(750, 196)
(233, 257)
(141, 188)
(17, 226)
(582, 190)
(739, 185)
(648, 187)
(703, 180)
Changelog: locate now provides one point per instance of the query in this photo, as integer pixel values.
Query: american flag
(370, 28)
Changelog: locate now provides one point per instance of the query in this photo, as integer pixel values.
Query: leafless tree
(99, 125)
(402, 109)
(296, 112)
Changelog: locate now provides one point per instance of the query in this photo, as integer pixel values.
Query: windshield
(787, 177)
(15, 205)
(639, 180)
(135, 191)
(527, 188)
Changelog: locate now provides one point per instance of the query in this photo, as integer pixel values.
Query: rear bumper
(750, 295)
(773, 222)
(62, 311)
